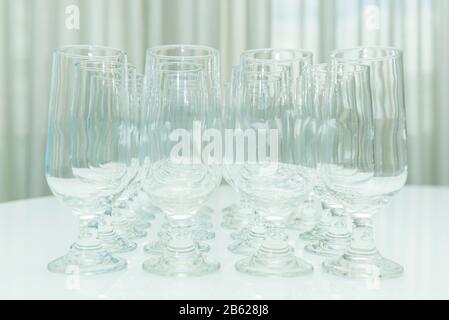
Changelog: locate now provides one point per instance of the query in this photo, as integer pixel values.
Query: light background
(31, 29)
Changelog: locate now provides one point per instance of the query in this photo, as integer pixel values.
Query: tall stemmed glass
(369, 157)
(84, 163)
(181, 180)
(208, 58)
(299, 63)
(237, 215)
(141, 214)
(126, 222)
(268, 176)
(332, 230)
(88, 92)
(309, 124)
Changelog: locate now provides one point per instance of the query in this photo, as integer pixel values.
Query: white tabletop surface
(413, 231)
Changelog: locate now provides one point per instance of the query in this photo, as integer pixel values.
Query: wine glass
(97, 86)
(332, 230)
(126, 222)
(207, 58)
(180, 179)
(369, 154)
(85, 163)
(237, 215)
(270, 86)
(248, 239)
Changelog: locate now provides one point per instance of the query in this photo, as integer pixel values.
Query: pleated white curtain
(30, 29)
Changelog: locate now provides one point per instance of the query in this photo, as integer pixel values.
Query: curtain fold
(30, 30)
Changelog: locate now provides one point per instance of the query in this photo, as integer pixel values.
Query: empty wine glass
(237, 215)
(368, 152)
(97, 86)
(180, 181)
(269, 88)
(125, 221)
(248, 239)
(207, 58)
(310, 158)
(332, 230)
(84, 162)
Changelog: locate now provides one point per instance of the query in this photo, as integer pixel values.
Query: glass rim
(195, 67)
(304, 54)
(66, 51)
(389, 53)
(90, 65)
(211, 52)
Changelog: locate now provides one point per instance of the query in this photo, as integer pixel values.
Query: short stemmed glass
(369, 154)
(268, 176)
(181, 180)
(84, 163)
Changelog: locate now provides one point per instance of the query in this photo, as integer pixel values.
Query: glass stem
(362, 242)
(338, 223)
(88, 233)
(275, 234)
(180, 233)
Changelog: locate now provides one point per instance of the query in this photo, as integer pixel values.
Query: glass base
(302, 219)
(236, 217)
(203, 235)
(202, 225)
(316, 234)
(130, 231)
(181, 261)
(250, 244)
(240, 235)
(329, 246)
(363, 267)
(271, 262)
(230, 210)
(233, 223)
(87, 261)
(158, 247)
(115, 243)
(205, 213)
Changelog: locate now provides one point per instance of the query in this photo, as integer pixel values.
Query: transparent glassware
(98, 87)
(270, 87)
(333, 230)
(370, 166)
(181, 181)
(237, 215)
(126, 222)
(77, 165)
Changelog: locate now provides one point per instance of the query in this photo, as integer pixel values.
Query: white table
(414, 232)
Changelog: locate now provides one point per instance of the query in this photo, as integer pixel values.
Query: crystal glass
(207, 58)
(97, 86)
(181, 179)
(368, 153)
(332, 231)
(248, 239)
(126, 222)
(144, 210)
(85, 163)
(237, 215)
(271, 85)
